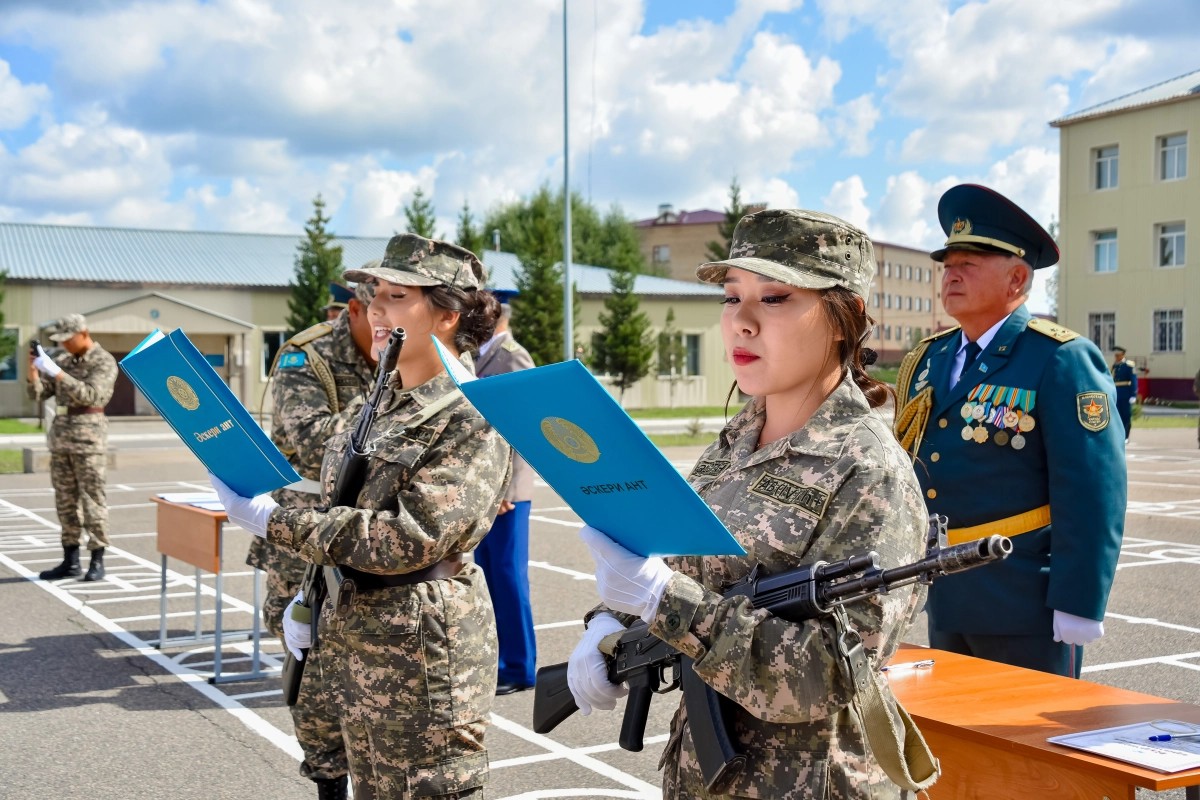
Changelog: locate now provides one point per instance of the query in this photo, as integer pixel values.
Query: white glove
(1076, 630)
(251, 513)
(297, 636)
(46, 364)
(587, 673)
(626, 582)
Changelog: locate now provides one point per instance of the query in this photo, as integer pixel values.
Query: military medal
(977, 412)
(967, 410)
(1001, 438)
(1026, 424)
(967, 433)
(980, 435)
(1018, 442)
(1010, 418)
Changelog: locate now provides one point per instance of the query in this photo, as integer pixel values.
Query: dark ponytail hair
(852, 322)
(478, 311)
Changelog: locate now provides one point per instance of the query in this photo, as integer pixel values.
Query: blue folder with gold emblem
(571, 430)
(194, 400)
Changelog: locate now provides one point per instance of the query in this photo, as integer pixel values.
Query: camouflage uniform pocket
(383, 674)
(782, 775)
(451, 776)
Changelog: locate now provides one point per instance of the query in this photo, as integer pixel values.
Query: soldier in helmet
(805, 472)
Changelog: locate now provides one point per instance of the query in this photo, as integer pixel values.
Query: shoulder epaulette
(940, 334)
(311, 334)
(1052, 329)
(510, 346)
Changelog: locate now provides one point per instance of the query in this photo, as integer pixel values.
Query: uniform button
(942, 423)
(672, 621)
(932, 493)
(935, 457)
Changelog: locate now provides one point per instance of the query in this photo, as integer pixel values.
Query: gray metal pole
(568, 305)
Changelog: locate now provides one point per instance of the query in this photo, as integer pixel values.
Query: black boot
(96, 568)
(69, 568)
(331, 788)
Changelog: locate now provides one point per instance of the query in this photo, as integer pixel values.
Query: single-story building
(229, 293)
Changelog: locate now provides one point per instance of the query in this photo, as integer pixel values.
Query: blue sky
(232, 114)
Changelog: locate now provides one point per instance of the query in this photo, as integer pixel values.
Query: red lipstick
(741, 356)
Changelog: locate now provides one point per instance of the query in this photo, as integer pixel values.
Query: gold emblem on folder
(570, 440)
(183, 394)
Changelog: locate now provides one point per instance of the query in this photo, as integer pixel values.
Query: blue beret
(977, 218)
(339, 296)
(504, 295)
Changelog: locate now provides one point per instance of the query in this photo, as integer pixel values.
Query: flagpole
(568, 299)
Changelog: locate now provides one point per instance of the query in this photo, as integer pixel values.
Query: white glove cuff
(662, 576)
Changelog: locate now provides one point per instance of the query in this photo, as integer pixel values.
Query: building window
(887, 269)
(908, 301)
(272, 341)
(1172, 245)
(878, 332)
(1106, 168)
(927, 332)
(887, 301)
(1172, 158)
(692, 340)
(1105, 251)
(928, 306)
(887, 332)
(877, 301)
(929, 276)
(908, 273)
(9, 338)
(1168, 331)
(661, 254)
(1102, 328)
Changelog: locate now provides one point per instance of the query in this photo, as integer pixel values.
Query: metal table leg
(162, 605)
(217, 643)
(255, 665)
(1192, 793)
(198, 618)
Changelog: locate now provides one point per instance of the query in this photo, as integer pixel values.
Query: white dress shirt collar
(960, 356)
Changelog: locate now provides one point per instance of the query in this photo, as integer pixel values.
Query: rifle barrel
(944, 562)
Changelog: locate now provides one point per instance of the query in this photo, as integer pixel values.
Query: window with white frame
(1104, 251)
(1172, 245)
(1102, 328)
(908, 273)
(887, 269)
(908, 303)
(661, 253)
(877, 299)
(878, 332)
(1172, 157)
(272, 341)
(928, 305)
(1168, 331)
(887, 301)
(887, 332)
(1106, 167)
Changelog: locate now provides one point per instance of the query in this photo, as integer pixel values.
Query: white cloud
(18, 101)
(854, 123)
(847, 199)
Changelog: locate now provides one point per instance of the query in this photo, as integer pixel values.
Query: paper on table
(206, 500)
(1131, 744)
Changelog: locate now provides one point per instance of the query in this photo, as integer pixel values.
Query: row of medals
(1020, 421)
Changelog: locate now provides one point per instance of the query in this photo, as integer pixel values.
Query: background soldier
(1125, 379)
(81, 380)
(339, 299)
(320, 378)
(1008, 421)
(503, 555)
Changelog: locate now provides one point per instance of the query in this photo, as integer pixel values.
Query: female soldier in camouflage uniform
(804, 473)
(412, 661)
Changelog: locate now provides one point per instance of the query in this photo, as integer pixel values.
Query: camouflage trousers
(314, 718)
(413, 674)
(80, 497)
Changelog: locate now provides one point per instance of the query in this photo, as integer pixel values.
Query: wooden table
(196, 536)
(988, 724)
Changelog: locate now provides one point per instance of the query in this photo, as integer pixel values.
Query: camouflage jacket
(429, 492)
(303, 420)
(87, 380)
(839, 486)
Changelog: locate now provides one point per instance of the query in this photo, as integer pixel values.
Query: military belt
(349, 581)
(75, 411)
(1009, 526)
(1124, 383)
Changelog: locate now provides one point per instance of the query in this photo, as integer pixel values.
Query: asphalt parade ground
(88, 708)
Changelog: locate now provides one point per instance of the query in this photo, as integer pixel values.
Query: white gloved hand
(46, 364)
(1075, 630)
(587, 672)
(251, 513)
(297, 635)
(626, 582)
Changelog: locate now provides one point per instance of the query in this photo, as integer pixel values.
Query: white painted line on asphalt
(1150, 621)
(154, 596)
(546, 794)
(204, 612)
(579, 576)
(1173, 661)
(132, 535)
(110, 508)
(570, 523)
(569, 623)
(521, 761)
(252, 695)
(647, 791)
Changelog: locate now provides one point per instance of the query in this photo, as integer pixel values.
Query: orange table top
(1016, 710)
(219, 514)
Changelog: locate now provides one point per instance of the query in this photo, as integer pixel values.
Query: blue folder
(180, 383)
(570, 429)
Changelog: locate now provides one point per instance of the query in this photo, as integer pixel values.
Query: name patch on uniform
(1093, 410)
(292, 360)
(710, 469)
(344, 380)
(809, 499)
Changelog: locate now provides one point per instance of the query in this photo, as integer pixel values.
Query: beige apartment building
(675, 243)
(1127, 199)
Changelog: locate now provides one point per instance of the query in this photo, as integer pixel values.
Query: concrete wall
(1134, 209)
(688, 243)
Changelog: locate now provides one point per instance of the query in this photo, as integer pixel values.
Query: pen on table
(910, 665)
(1166, 737)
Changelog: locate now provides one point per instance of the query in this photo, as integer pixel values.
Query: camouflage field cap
(364, 290)
(68, 326)
(801, 248)
(413, 260)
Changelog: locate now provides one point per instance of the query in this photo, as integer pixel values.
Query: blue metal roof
(32, 252)
(1174, 89)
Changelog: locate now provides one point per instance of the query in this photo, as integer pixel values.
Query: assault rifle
(350, 478)
(648, 665)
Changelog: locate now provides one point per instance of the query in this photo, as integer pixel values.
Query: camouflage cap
(68, 326)
(801, 248)
(364, 290)
(413, 260)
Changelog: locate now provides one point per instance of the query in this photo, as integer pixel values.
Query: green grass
(11, 461)
(885, 374)
(682, 439)
(1163, 422)
(689, 412)
(16, 426)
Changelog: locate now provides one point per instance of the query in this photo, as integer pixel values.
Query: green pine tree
(672, 353)
(537, 310)
(420, 215)
(468, 234)
(624, 347)
(318, 263)
(719, 251)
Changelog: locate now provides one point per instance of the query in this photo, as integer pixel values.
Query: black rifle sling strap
(896, 742)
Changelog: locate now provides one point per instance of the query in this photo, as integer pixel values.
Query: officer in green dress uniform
(1125, 379)
(1009, 421)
